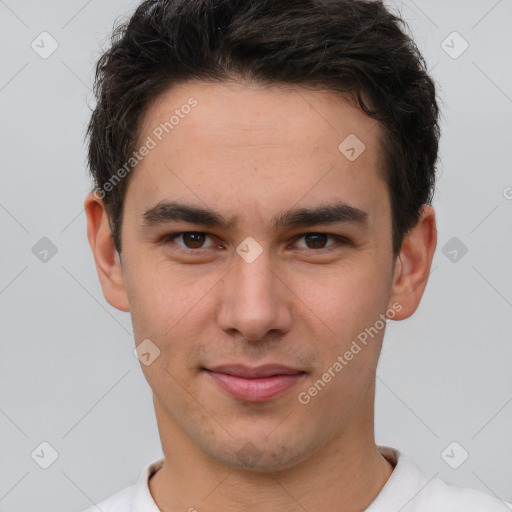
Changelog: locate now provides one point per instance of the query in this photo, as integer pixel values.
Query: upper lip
(247, 372)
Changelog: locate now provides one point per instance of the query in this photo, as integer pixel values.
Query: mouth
(258, 384)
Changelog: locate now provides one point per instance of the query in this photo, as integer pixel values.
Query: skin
(254, 151)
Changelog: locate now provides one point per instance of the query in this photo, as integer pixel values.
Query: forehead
(256, 148)
(254, 113)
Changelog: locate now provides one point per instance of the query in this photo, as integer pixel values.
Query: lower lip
(255, 390)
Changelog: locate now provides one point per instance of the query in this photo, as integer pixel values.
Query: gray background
(67, 372)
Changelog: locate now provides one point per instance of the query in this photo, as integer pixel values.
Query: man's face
(251, 153)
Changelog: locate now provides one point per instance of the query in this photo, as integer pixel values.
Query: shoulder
(410, 490)
(118, 502)
(460, 499)
(135, 498)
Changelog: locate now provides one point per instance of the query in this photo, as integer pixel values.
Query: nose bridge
(255, 278)
(252, 302)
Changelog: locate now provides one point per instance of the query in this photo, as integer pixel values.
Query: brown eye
(317, 240)
(189, 240)
(193, 240)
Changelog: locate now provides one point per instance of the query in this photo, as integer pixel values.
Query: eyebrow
(173, 211)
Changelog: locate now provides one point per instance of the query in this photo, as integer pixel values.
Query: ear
(412, 266)
(106, 257)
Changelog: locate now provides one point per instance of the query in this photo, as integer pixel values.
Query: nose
(255, 300)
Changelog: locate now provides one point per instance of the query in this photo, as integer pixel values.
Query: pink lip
(255, 384)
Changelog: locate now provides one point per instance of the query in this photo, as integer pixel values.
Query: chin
(260, 454)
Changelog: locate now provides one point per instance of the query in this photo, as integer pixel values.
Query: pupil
(193, 240)
(317, 239)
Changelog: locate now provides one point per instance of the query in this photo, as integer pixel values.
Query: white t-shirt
(408, 489)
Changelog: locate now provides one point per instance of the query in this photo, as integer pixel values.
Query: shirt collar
(404, 484)
(141, 499)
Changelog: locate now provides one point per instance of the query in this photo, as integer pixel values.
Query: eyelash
(169, 238)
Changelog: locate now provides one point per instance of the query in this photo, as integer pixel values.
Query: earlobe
(412, 267)
(106, 257)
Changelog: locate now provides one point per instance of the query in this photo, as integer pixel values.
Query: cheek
(167, 303)
(345, 306)
(343, 299)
